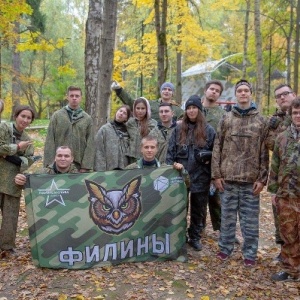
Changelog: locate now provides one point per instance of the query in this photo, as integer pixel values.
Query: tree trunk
(259, 56)
(16, 71)
(99, 50)
(296, 65)
(246, 40)
(161, 8)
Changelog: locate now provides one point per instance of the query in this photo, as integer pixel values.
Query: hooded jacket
(240, 153)
(133, 129)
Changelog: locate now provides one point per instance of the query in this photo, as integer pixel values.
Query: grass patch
(40, 122)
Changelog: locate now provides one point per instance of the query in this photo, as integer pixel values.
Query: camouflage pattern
(284, 180)
(288, 213)
(10, 192)
(139, 165)
(240, 153)
(10, 207)
(111, 148)
(135, 139)
(213, 115)
(77, 134)
(284, 120)
(9, 170)
(154, 105)
(163, 135)
(51, 170)
(238, 197)
(59, 219)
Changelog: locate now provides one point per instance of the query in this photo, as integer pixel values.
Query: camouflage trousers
(214, 205)
(278, 239)
(289, 226)
(238, 199)
(10, 212)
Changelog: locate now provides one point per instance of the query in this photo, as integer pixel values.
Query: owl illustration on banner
(115, 211)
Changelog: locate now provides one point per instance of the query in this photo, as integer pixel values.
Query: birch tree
(99, 50)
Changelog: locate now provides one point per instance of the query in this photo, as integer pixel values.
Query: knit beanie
(169, 85)
(194, 100)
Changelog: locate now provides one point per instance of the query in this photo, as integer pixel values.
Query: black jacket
(189, 155)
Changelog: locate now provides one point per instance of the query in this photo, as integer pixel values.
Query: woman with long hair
(139, 126)
(16, 155)
(190, 147)
(112, 142)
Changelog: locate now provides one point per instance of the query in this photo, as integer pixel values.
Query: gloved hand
(274, 122)
(115, 85)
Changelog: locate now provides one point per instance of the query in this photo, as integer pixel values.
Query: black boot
(196, 244)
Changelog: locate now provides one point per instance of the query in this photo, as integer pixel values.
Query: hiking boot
(284, 276)
(196, 244)
(222, 256)
(249, 263)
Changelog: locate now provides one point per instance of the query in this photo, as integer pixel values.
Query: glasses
(278, 96)
(296, 113)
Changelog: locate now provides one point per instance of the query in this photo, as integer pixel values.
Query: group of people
(225, 154)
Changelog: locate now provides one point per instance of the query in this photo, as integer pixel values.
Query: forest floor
(202, 277)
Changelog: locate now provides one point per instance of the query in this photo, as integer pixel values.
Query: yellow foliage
(66, 70)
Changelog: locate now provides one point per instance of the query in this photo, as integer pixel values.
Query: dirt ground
(203, 277)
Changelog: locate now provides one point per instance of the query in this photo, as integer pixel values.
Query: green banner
(79, 221)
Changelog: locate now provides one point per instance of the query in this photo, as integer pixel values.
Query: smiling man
(285, 183)
(240, 170)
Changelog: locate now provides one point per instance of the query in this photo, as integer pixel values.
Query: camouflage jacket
(111, 148)
(8, 170)
(139, 165)
(284, 121)
(284, 180)
(239, 152)
(199, 172)
(135, 136)
(51, 169)
(154, 105)
(77, 134)
(213, 115)
(163, 135)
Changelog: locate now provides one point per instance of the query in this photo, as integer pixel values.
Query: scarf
(74, 114)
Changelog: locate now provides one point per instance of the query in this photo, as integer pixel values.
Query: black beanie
(194, 100)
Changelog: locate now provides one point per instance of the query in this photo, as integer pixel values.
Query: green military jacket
(213, 115)
(51, 170)
(112, 147)
(239, 152)
(135, 136)
(284, 180)
(154, 105)
(163, 135)
(77, 134)
(9, 170)
(139, 165)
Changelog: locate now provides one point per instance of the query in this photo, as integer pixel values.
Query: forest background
(47, 45)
